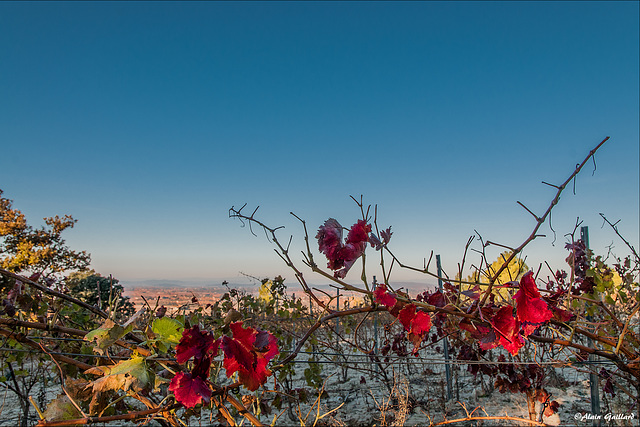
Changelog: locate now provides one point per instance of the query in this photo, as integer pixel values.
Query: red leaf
(330, 241)
(386, 235)
(562, 315)
(406, 316)
(248, 353)
(359, 233)
(531, 310)
(473, 293)
(375, 241)
(509, 327)
(348, 256)
(341, 256)
(417, 323)
(382, 297)
(421, 323)
(437, 299)
(195, 344)
(190, 391)
(489, 341)
(476, 330)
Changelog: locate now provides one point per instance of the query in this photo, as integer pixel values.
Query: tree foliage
(515, 269)
(103, 292)
(41, 251)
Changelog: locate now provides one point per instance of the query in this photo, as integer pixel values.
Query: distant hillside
(164, 284)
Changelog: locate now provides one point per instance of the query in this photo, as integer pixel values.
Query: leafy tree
(103, 292)
(40, 251)
(514, 272)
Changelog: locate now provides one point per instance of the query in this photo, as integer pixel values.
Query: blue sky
(148, 121)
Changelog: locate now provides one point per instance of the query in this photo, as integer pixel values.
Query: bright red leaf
(190, 391)
(531, 310)
(416, 323)
(508, 330)
(406, 316)
(359, 233)
(421, 323)
(383, 297)
(248, 353)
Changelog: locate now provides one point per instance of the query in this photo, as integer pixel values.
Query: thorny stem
(282, 252)
(615, 229)
(539, 222)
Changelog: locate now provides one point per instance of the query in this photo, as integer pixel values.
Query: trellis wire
(393, 359)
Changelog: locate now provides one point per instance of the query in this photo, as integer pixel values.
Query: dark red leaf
(160, 312)
(437, 299)
(330, 241)
(386, 235)
(473, 293)
(561, 314)
(197, 344)
(342, 256)
(489, 341)
(375, 242)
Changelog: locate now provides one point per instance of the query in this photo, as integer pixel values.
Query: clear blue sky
(148, 121)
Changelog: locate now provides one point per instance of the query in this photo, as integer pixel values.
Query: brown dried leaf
(61, 409)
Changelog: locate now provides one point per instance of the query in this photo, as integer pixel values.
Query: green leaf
(127, 374)
(623, 296)
(107, 334)
(110, 332)
(168, 331)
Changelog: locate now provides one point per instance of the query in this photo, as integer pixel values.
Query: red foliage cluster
(416, 323)
(342, 255)
(579, 260)
(505, 330)
(194, 387)
(525, 379)
(383, 297)
(247, 352)
(509, 331)
(531, 310)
